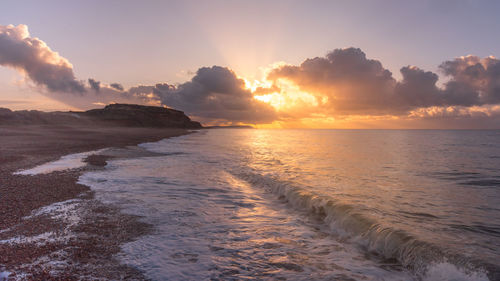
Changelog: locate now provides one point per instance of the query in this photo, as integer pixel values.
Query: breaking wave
(426, 260)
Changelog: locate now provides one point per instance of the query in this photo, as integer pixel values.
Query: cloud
(474, 81)
(214, 94)
(54, 75)
(107, 95)
(36, 60)
(456, 111)
(456, 117)
(417, 89)
(353, 84)
(350, 82)
(342, 84)
(95, 85)
(116, 86)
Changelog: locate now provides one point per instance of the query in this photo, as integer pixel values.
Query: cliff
(127, 115)
(132, 115)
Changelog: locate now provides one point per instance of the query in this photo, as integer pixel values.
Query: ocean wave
(425, 259)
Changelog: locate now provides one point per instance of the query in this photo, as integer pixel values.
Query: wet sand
(100, 229)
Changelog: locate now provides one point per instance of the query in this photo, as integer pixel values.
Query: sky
(273, 64)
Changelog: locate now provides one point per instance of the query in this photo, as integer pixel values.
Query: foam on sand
(76, 160)
(4, 275)
(66, 212)
(67, 162)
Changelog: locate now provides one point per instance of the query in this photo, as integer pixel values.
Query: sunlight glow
(276, 100)
(282, 94)
(255, 84)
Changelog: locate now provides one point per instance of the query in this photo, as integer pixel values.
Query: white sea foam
(211, 224)
(217, 200)
(446, 271)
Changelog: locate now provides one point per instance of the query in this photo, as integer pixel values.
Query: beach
(236, 204)
(250, 140)
(100, 229)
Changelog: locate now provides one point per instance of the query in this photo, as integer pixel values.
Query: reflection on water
(295, 204)
(429, 179)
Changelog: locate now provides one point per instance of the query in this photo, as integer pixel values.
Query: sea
(252, 204)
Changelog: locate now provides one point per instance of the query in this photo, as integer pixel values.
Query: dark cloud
(417, 89)
(34, 58)
(474, 81)
(213, 94)
(95, 85)
(117, 86)
(54, 74)
(350, 81)
(354, 84)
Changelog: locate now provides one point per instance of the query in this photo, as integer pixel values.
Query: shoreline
(52, 227)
